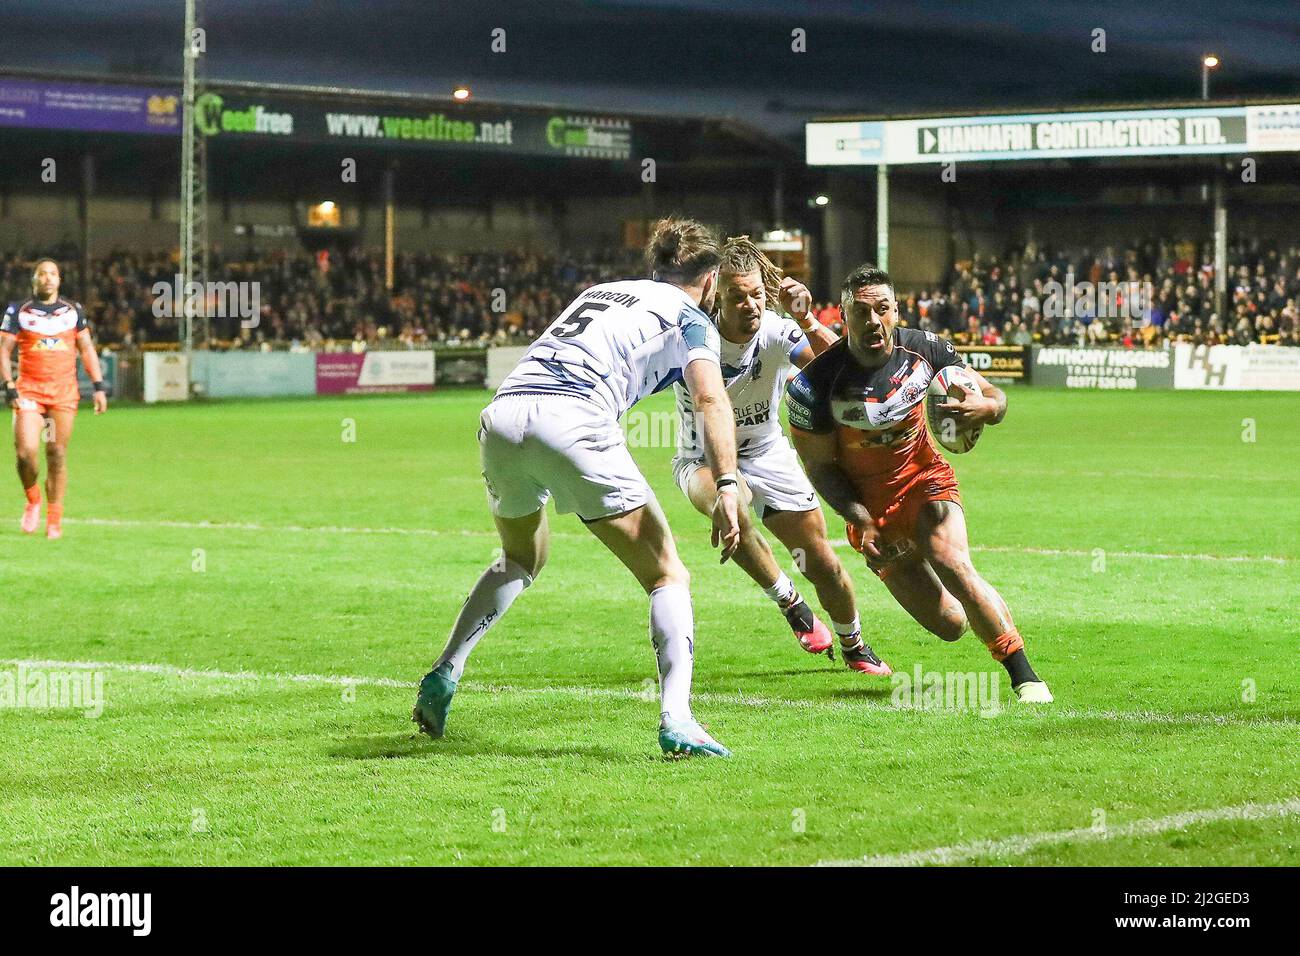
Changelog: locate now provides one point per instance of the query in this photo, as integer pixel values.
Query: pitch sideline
(1023, 843)
(649, 692)
(436, 533)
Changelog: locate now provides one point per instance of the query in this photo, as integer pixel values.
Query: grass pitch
(260, 596)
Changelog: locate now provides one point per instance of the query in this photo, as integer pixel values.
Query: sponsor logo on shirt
(754, 414)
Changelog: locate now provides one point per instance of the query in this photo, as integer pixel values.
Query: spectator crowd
(1143, 295)
(310, 299)
(1160, 291)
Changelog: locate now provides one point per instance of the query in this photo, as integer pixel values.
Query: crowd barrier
(108, 367)
(1102, 368)
(1237, 367)
(252, 374)
(1183, 366)
(174, 376)
(169, 376)
(999, 363)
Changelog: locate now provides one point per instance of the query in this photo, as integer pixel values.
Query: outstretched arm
(7, 342)
(90, 359)
(716, 424)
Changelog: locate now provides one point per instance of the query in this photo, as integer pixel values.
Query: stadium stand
(316, 301)
(323, 300)
(1004, 300)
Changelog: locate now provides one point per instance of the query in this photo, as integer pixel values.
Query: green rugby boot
(686, 738)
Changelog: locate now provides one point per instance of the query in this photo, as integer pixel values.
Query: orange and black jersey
(47, 347)
(876, 414)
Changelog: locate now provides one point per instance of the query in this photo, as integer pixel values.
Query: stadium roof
(1064, 107)
(687, 57)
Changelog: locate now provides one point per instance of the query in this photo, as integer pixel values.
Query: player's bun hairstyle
(864, 275)
(681, 250)
(740, 257)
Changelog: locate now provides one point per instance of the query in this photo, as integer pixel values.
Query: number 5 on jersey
(570, 325)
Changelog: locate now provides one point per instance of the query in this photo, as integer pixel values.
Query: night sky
(690, 56)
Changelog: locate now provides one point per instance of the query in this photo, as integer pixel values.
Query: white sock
(672, 631)
(493, 593)
(848, 632)
(783, 591)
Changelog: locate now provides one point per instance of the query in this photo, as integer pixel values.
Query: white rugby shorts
(535, 446)
(775, 478)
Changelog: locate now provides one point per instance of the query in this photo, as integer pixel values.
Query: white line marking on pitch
(254, 526)
(622, 693)
(468, 533)
(1022, 844)
(1146, 555)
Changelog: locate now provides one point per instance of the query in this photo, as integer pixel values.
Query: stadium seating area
(1005, 300)
(338, 299)
(308, 300)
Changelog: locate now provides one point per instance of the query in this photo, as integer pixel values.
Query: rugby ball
(947, 432)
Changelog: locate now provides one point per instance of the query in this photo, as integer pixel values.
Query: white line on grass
(627, 693)
(1023, 843)
(468, 533)
(254, 526)
(1145, 555)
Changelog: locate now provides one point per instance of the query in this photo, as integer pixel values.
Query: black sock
(1017, 666)
(799, 613)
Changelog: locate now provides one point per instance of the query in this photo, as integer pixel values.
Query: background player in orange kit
(857, 419)
(49, 332)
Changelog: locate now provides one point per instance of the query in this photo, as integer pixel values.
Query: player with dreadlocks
(759, 347)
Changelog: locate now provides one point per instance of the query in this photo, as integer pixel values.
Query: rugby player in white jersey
(553, 429)
(758, 349)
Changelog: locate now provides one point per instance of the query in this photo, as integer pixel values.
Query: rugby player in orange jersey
(857, 419)
(49, 333)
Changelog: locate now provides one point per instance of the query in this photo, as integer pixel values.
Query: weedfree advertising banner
(109, 108)
(1223, 129)
(462, 128)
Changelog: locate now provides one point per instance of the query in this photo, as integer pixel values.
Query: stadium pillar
(846, 228)
(87, 190)
(778, 196)
(389, 176)
(1220, 252)
(647, 200)
(882, 217)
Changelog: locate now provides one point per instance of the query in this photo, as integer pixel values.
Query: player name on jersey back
(615, 344)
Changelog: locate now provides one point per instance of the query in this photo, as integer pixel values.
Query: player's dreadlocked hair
(741, 256)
